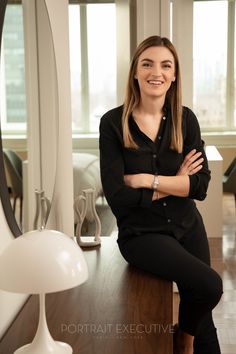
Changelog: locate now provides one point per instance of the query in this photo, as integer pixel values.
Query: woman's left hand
(191, 164)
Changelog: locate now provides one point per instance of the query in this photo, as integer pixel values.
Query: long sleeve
(192, 140)
(113, 168)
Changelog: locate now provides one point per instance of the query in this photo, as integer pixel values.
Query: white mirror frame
(39, 141)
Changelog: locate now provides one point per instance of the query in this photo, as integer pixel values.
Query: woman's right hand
(192, 164)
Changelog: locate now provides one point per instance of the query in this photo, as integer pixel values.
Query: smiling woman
(153, 165)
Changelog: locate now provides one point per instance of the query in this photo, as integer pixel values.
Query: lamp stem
(43, 335)
(42, 314)
(43, 342)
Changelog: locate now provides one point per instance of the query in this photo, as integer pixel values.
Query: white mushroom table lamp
(40, 262)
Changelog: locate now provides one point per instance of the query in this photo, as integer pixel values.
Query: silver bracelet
(155, 182)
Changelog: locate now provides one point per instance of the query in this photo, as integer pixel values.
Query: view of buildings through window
(212, 102)
(12, 93)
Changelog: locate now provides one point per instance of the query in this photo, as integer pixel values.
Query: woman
(152, 167)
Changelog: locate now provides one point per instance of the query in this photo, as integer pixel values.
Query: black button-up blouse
(134, 209)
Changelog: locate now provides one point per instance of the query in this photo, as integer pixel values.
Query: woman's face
(155, 72)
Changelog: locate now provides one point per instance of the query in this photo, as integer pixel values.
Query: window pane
(13, 99)
(75, 64)
(235, 68)
(210, 62)
(93, 64)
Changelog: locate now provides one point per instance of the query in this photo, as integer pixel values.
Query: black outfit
(167, 236)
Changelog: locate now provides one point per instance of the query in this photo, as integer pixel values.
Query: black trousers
(186, 262)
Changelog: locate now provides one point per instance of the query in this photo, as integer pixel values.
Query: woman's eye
(167, 66)
(146, 65)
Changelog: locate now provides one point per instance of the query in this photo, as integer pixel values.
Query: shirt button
(168, 220)
(164, 204)
(154, 156)
(164, 118)
(159, 137)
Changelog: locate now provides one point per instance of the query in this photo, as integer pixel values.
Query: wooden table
(119, 310)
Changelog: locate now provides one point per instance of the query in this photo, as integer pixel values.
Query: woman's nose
(156, 70)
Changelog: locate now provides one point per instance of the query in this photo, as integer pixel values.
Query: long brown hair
(173, 96)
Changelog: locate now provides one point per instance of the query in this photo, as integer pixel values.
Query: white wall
(183, 41)
(153, 18)
(123, 46)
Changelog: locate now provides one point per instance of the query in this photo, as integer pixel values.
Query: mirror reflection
(29, 110)
(13, 104)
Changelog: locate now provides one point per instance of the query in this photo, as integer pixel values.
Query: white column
(123, 46)
(165, 18)
(183, 41)
(153, 18)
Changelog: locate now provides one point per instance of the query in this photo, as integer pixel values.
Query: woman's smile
(155, 82)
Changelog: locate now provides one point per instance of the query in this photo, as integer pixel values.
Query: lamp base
(56, 348)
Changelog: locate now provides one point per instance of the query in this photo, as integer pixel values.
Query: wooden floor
(223, 254)
(224, 261)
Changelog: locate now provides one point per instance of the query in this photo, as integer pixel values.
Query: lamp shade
(42, 261)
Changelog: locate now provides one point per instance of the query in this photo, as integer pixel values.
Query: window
(93, 63)
(12, 93)
(213, 64)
